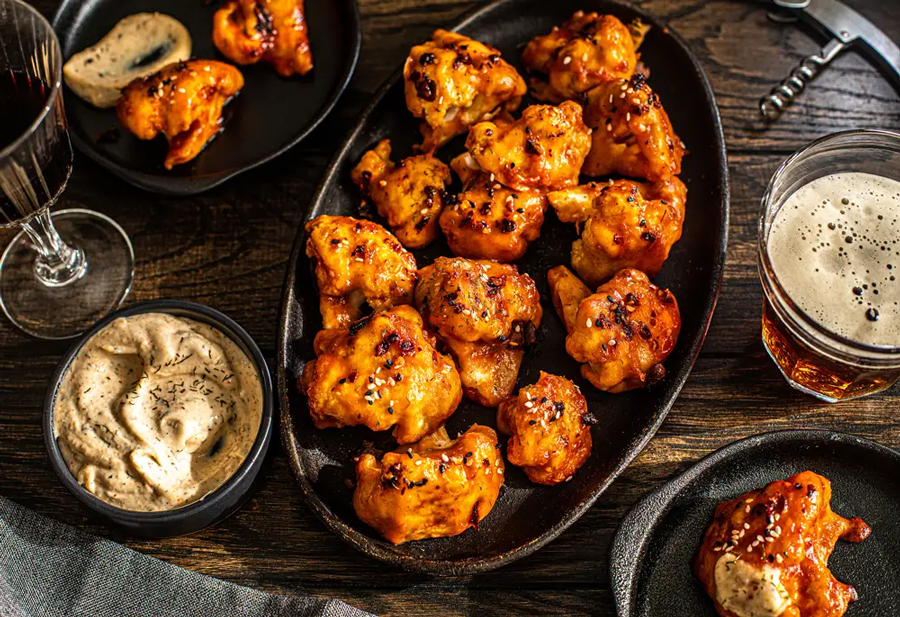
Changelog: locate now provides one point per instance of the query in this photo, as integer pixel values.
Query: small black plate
(650, 556)
(526, 516)
(269, 116)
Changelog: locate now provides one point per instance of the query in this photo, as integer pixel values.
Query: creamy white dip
(748, 590)
(157, 411)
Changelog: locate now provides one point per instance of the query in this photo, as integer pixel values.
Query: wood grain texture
(228, 248)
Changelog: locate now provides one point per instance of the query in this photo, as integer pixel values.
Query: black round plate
(650, 556)
(525, 516)
(269, 116)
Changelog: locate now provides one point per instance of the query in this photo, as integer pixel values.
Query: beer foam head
(835, 249)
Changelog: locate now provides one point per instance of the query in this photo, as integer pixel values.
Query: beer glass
(59, 275)
(811, 357)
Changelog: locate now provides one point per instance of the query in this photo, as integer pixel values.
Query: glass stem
(57, 263)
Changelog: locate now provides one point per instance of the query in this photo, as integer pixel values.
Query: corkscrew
(849, 29)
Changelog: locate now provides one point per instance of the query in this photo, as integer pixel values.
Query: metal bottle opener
(849, 29)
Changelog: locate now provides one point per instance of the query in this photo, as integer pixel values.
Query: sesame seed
(770, 539)
(628, 116)
(612, 342)
(609, 127)
(423, 211)
(779, 558)
(747, 509)
(529, 404)
(418, 462)
(567, 60)
(746, 526)
(587, 323)
(445, 458)
(759, 538)
(717, 549)
(382, 183)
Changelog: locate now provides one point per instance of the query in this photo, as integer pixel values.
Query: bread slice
(137, 46)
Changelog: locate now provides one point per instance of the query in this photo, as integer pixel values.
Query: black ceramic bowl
(223, 501)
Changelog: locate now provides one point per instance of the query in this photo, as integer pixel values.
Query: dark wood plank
(229, 248)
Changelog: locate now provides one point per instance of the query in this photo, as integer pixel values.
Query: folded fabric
(48, 568)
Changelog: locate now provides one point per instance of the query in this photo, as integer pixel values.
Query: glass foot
(63, 311)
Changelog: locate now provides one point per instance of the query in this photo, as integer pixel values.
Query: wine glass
(59, 275)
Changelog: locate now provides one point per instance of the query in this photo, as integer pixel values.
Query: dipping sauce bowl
(219, 503)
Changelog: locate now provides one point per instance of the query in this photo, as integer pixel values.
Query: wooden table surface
(229, 248)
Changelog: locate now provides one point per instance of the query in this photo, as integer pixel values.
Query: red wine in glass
(26, 187)
(66, 269)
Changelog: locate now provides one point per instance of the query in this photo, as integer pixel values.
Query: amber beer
(814, 373)
(829, 255)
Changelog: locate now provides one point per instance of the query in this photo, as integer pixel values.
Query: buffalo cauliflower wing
(491, 221)
(382, 372)
(247, 31)
(485, 312)
(625, 225)
(436, 488)
(622, 333)
(550, 429)
(357, 262)
(543, 150)
(452, 82)
(410, 194)
(184, 102)
(633, 135)
(766, 552)
(588, 50)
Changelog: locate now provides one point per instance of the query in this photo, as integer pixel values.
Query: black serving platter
(650, 556)
(525, 516)
(269, 116)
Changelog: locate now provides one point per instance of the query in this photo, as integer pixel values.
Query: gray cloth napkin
(48, 568)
